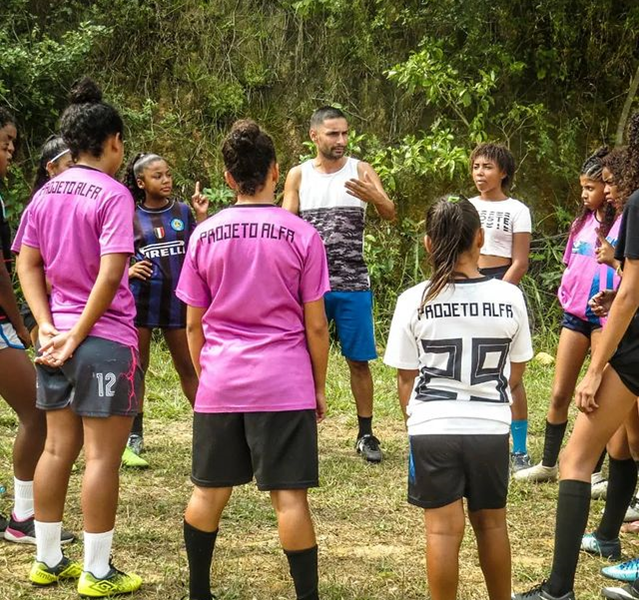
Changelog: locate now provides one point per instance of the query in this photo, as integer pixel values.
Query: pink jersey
(75, 219)
(253, 267)
(17, 240)
(584, 276)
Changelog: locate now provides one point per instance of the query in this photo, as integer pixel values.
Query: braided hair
(592, 169)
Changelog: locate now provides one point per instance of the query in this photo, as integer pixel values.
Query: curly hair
(629, 180)
(88, 121)
(248, 153)
(501, 156)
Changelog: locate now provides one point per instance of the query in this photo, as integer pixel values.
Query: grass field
(371, 541)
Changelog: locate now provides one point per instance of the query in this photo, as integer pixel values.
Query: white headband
(60, 155)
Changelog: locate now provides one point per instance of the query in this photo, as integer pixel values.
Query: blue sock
(519, 432)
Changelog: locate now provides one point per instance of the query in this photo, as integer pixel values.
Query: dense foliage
(422, 82)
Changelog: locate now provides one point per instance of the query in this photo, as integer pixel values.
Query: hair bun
(245, 131)
(85, 91)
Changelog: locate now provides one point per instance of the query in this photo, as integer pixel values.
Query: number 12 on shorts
(106, 384)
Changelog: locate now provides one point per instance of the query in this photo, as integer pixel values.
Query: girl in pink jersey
(254, 280)
(581, 328)
(54, 159)
(80, 232)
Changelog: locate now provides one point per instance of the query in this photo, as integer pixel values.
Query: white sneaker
(537, 473)
(632, 514)
(598, 486)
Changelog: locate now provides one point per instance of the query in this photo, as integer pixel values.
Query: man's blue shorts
(353, 316)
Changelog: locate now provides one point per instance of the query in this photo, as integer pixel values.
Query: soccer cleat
(540, 593)
(607, 549)
(23, 532)
(43, 575)
(113, 583)
(537, 474)
(627, 592)
(519, 461)
(632, 514)
(136, 443)
(132, 460)
(598, 486)
(626, 571)
(368, 447)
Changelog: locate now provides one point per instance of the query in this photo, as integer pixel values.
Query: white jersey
(462, 343)
(500, 219)
(339, 219)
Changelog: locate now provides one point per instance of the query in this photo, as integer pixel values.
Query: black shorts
(625, 360)
(27, 317)
(495, 272)
(579, 325)
(101, 379)
(279, 447)
(446, 468)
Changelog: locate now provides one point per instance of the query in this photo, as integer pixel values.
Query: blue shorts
(353, 316)
(579, 325)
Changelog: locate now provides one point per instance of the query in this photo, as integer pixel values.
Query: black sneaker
(23, 532)
(626, 592)
(540, 593)
(368, 447)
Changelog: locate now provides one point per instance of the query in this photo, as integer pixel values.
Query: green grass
(371, 541)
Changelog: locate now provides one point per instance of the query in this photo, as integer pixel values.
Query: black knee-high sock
(552, 443)
(138, 425)
(199, 550)
(365, 426)
(303, 567)
(622, 479)
(600, 462)
(573, 506)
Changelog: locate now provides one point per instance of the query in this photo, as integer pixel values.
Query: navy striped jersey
(161, 236)
(5, 242)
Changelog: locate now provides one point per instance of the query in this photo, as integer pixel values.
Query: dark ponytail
(248, 154)
(53, 149)
(451, 224)
(88, 121)
(134, 170)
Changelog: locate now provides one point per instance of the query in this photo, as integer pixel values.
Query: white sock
(23, 499)
(97, 551)
(48, 547)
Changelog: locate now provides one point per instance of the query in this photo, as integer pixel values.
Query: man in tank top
(332, 192)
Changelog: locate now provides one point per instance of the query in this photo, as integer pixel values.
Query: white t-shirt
(500, 219)
(462, 343)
